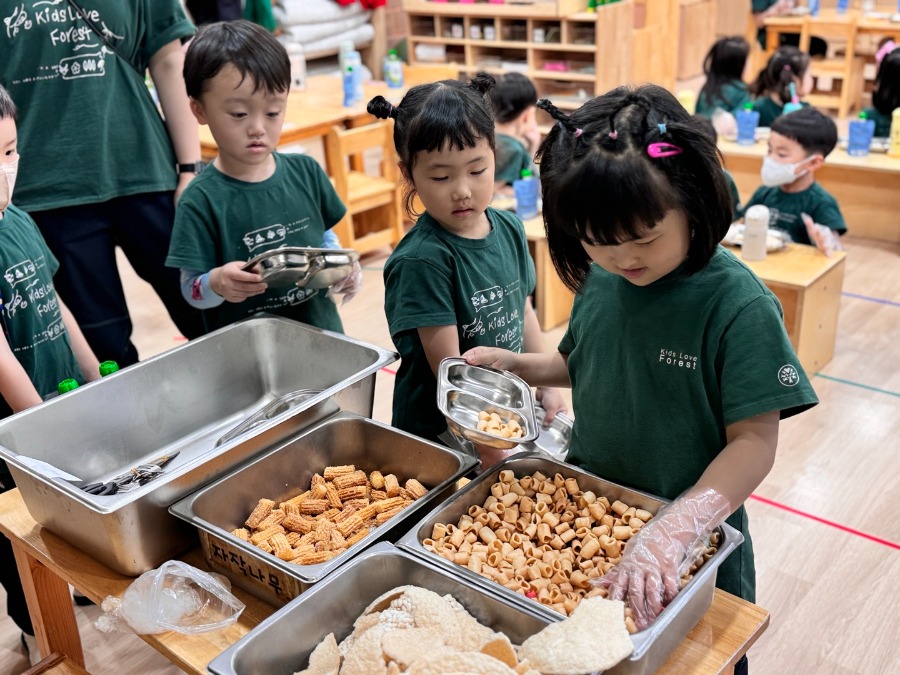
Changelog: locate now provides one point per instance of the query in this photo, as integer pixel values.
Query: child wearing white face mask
(798, 145)
(40, 342)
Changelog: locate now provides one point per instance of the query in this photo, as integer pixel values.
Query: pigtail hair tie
(613, 135)
(578, 133)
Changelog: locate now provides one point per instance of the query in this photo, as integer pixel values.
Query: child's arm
(87, 361)
(545, 369)
(166, 67)
(550, 397)
(15, 385)
(439, 343)
(649, 573)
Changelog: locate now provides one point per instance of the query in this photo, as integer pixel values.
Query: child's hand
(349, 285)
(823, 237)
(493, 357)
(649, 575)
(552, 401)
(234, 284)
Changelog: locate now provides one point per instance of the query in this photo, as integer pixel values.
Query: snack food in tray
(411, 629)
(545, 538)
(775, 239)
(341, 507)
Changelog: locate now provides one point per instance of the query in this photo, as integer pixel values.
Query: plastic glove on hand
(348, 286)
(823, 237)
(648, 576)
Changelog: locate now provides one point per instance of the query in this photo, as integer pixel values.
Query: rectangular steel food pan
(652, 645)
(184, 399)
(281, 644)
(287, 470)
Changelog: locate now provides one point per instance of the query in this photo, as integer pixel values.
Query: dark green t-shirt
(220, 219)
(31, 314)
(768, 110)
(785, 209)
(87, 122)
(511, 158)
(732, 98)
(659, 372)
(435, 278)
(882, 122)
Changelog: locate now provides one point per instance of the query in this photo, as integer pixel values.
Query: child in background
(886, 95)
(462, 276)
(798, 145)
(40, 341)
(772, 87)
(513, 99)
(724, 88)
(251, 198)
(676, 353)
(706, 126)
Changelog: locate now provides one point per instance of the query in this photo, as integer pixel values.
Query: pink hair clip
(578, 132)
(886, 49)
(658, 150)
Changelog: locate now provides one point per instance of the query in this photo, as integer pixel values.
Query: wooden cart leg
(50, 606)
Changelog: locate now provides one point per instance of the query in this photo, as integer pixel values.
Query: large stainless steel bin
(652, 645)
(185, 400)
(281, 644)
(287, 470)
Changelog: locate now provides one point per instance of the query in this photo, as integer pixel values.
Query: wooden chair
(424, 73)
(374, 212)
(844, 65)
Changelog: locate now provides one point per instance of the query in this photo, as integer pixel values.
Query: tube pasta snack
(492, 423)
(413, 630)
(545, 538)
(339, 509)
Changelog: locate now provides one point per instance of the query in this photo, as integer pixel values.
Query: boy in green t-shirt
(798, 145)
(251, 198)
(513, 99)
(40, 341)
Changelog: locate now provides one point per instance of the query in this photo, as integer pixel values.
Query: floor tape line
(824, 521)
(858, 384)
(880, 301)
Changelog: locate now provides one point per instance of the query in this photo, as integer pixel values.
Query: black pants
(16, 607)
(84, 239)
(741, 667)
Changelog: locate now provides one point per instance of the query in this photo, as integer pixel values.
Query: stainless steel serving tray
(652, 645)
(303, 266)
(281, 644)
(181, 400)
(284, 471)
(465, 390)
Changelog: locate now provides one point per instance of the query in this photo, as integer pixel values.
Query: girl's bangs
(446, 121)
(612, 199)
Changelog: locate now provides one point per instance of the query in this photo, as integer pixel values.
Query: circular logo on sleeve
(788, 375)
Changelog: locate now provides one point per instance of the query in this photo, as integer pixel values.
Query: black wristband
(193, 167)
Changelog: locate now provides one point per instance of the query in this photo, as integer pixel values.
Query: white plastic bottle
(393, 70)
(756, 229)
(298, 66)
(349, 57)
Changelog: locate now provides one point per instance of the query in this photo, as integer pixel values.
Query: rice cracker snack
(416, 631)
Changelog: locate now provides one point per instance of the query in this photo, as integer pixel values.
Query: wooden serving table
(47, 564)
(312, 112)
(867, 188)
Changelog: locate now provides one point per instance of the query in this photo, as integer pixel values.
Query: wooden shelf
(574, 33)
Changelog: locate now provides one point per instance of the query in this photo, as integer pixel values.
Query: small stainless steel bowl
(301, 266)
(465, 390)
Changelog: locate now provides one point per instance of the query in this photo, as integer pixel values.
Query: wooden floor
(823, 523)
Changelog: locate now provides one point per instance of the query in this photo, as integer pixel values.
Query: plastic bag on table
(176, 597)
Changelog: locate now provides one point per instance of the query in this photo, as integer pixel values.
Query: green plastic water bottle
(67, 385)
(108, 368)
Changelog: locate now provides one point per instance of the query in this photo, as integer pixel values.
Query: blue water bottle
(747, 121)
(842, 6)
(349, 87)
(526, 190)
(861, 132)
(813, 7)
(393, 70)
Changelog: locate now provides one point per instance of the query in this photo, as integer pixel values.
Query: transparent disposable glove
(648, 576)
(348, 286)
(823, 237)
